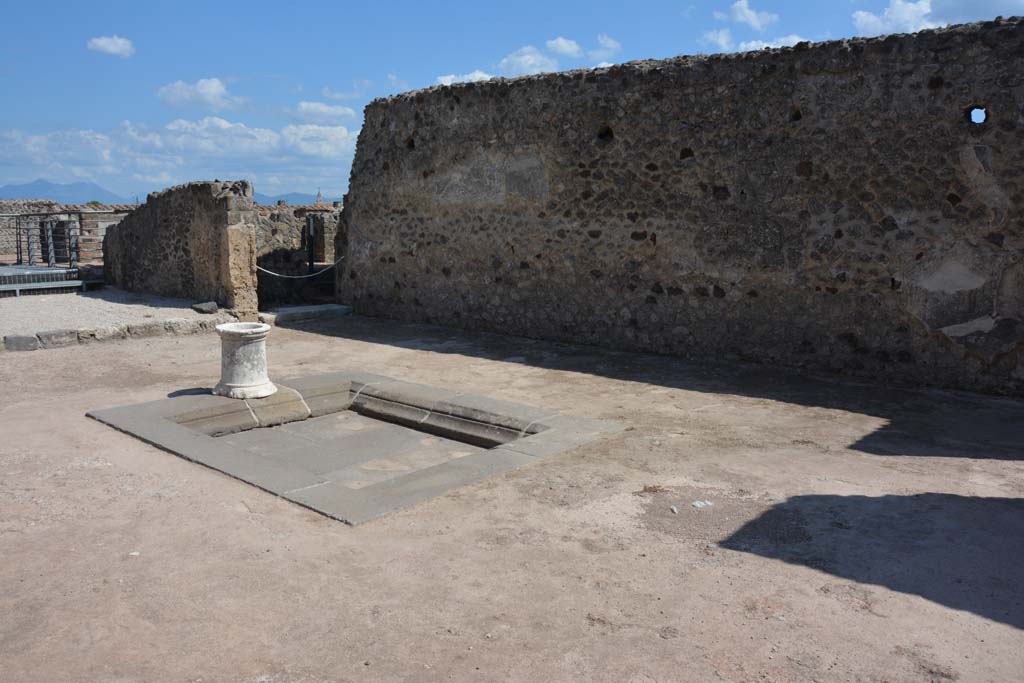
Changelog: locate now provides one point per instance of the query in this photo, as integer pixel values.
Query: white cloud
(609, 47)
(742, 13)
(207, 93)
(112, 45)
(720, 38)
(529, 60)
(526, 61)
(359, 89)
(214, 136)
(397, 82)
(320, 112)
(133, 159)
(471, 77)
(329, 142)
(899, 17)
(564, 46)
(781, 41)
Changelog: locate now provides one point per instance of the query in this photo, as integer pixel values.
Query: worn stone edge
(61, 338)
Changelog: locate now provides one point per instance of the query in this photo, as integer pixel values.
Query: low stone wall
(195, 241)
(830, 206)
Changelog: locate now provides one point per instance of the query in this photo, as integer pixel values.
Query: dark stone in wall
(829, 206)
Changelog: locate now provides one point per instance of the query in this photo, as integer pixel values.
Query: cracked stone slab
(353, 445)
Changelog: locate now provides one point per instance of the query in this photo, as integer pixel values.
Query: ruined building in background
(195, 241)
(289, 241)
(204, 240)
(856, 206)
(33, 230)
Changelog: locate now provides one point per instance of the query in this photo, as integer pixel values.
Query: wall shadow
(963, 552)
(921, 422)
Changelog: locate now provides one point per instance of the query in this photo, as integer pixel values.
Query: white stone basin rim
(243, 331)
(243, 361)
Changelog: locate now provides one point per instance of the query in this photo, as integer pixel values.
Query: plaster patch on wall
(976, 162)
(490, 177)
(951, 277)
(983, 324)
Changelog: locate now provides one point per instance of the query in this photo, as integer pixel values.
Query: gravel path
(105, 307)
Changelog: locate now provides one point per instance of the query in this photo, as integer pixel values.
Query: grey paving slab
(337, 500)
(346, 451)
(268, 441)
(21, 342)
(327, 428)
(52, 339)
(426, 452)
(563, 434)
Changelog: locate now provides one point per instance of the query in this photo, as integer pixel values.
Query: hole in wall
(977, 115)
(795, 114)
(605, 135)
(410, 143)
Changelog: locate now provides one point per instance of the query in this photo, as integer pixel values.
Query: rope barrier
(301, 277)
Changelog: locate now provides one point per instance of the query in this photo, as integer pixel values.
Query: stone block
(153, 328)
(54, 339)
(21, 342)
(110, 332)
(494, 411)
(226, 418)
(182, 326)
(207, 307)
(283, 406)
(323, 394)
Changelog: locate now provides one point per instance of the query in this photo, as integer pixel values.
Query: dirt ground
(855, 532)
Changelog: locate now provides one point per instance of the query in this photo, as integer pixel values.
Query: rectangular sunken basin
(353, 445)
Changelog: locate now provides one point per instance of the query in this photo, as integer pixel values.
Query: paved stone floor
(356, 450)
(855, 532)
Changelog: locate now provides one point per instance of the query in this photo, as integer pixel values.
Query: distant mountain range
(82, 193)
(69, 193)
(293, 198)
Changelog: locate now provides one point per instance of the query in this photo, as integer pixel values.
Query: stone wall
(281, 248)
(194, 241)
(830, 206)
(282, 227)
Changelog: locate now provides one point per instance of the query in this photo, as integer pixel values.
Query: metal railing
(57, 238)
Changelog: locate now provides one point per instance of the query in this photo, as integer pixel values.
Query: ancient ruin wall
(828, 205)
(195, 241)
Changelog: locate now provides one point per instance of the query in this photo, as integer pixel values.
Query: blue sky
(139, 96)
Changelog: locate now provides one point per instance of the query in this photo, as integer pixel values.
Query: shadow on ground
(959, 551)
(119, 296)
(921, 422)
